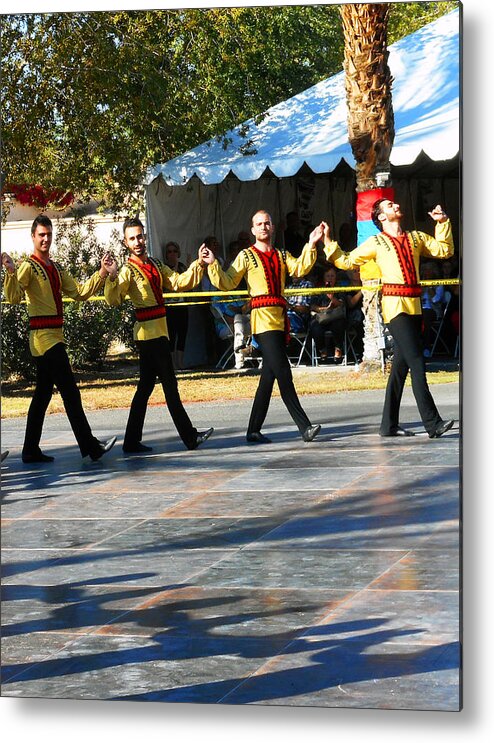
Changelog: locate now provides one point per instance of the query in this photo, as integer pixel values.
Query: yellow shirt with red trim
(248, 265)
(370, 271)
(31, 282)
(381, 248)
(133, 283)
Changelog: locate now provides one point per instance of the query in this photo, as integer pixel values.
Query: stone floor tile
(322, 574)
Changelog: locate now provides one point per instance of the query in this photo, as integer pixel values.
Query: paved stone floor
(323, 574)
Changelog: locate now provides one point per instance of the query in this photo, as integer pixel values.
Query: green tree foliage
(405, 18)
(90, 100)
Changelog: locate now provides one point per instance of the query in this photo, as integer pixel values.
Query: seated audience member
(299, 305)
(433, 299)
(212, 349)
(237, 314)
(214, 246)
(237, 318)
(177, 318)
(328, 324)
(354, 311)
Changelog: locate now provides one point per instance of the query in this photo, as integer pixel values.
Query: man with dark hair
(376, 213)
(43, 282)
(398, 253)
(265, 270)
(144, 279)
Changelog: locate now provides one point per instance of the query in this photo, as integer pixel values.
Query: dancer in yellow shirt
(397, 254)
(143, 280)
(265, 269)
(42, 282)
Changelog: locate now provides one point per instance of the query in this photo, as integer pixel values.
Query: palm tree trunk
(368, 84)
(368, 89)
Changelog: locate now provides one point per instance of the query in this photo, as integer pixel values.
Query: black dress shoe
(258, 438)
(105, 446)
(5, 454)
(442, 428)
(136, 448)
(35, 458)
(398, 431)
(202, 436)
(311, 432)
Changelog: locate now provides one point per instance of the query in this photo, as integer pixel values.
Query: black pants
(275, 365)
(155, 360)
(319, 328)
(408, 355)
(53, 369)
(428, 318)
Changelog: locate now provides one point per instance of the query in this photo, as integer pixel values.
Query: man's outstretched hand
(109, 266)
(8, 263)
(438, 215)
(205, 256)
(316, 234)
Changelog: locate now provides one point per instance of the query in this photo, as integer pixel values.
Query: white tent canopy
(303, 160)
(311, 127)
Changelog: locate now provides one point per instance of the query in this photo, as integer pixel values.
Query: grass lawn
(115, 387)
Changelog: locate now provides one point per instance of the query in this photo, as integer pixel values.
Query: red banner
(367, 199)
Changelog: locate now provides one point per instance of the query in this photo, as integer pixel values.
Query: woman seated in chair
(328, 324)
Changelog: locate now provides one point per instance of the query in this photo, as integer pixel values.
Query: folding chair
(302, 341)
(437, 326)
(315, 355)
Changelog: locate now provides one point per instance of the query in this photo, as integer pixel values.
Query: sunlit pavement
(322, 574)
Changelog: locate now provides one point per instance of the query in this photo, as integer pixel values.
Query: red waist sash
(150, 313)
(270, 300)
(43, 322)
(267, 300)
(401, 290)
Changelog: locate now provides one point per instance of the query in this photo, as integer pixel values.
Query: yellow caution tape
(234, 296)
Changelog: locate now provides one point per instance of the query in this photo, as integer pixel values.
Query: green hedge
(89, 330)
(16, 357)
